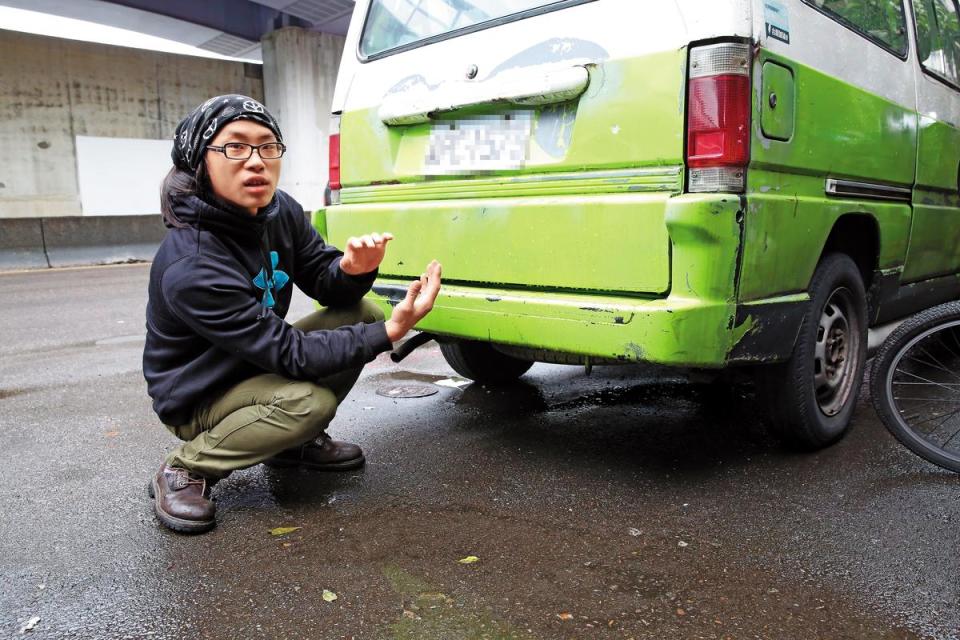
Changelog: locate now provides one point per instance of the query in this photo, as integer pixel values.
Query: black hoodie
(217, 302)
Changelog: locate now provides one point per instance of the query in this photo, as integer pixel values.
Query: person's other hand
(419, 301)
(364, 254)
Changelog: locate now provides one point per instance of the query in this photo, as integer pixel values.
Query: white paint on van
(628, 28)
(826, 45)
(623, 29)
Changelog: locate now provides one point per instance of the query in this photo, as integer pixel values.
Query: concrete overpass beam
(299, 72)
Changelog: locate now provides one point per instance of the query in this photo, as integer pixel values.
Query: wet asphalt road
(627, 504)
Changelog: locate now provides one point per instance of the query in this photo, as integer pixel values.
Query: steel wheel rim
(836, 352)
(910, 428)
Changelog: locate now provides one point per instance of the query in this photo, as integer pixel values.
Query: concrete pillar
(299, 73)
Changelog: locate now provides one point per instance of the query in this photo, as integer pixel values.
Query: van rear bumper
(696, 322)
(685, 332)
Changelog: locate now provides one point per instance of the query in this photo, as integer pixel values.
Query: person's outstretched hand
(417, 303)
(364, 254)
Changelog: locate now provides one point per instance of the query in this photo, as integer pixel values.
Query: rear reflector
(718, 117)
(334, 163)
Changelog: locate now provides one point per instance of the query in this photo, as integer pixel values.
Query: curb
(37, 243)
(21, 244)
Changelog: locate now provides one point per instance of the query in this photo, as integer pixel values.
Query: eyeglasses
(243, 151)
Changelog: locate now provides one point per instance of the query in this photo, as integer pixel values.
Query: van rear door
(552, 132)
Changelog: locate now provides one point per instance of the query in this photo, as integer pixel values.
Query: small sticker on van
(777, 21)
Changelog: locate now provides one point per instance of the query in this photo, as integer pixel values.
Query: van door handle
(526, 87)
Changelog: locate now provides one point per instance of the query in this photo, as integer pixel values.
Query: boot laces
(184, 479)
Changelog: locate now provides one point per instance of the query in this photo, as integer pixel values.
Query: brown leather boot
(322, 454)
(182, 501)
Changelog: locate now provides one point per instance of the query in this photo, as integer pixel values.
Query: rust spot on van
(634, 351)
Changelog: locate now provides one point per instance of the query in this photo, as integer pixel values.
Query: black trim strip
(853, 189)
(480, 26)
(916, 296)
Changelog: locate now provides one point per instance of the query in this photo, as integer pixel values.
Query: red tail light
(718, 125)
(335, 162)
(718, 117)
(333, 176)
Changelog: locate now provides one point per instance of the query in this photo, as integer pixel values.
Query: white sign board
(121, 176)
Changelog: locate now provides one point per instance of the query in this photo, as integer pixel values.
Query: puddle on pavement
(675, 393)
(403, 375)
(407, 391)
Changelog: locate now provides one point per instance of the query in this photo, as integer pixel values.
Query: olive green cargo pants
(264, 415)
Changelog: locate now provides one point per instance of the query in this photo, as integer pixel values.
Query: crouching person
(227, 374)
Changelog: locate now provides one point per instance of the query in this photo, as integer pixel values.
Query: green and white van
(694, 183)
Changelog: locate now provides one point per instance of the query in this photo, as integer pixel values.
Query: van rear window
(400, 24)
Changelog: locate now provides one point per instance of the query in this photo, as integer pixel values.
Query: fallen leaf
(634, 532)
(468, 560)
(30, 624)
(566, 615)
(683, 544)
(287, 544)
(329, 596)
(112, 434)
(282, 531)
(681, 612)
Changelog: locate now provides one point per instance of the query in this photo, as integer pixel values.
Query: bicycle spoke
(951, 334)
(944, 445)
(942, 366)
(927, 380)
(927, 364)
(941, 423)
(913, 425)
(926, 374)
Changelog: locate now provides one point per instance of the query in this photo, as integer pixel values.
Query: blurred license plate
(483, 143)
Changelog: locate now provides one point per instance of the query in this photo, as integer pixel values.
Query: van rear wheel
(480, 362)
(811, 397)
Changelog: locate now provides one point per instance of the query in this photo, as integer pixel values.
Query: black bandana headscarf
(195, 132)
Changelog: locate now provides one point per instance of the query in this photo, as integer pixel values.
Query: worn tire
(809, 401)
(480, 362)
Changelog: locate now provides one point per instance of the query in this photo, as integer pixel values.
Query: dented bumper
(696, 323)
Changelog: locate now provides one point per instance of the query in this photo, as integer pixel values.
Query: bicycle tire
(923, 356)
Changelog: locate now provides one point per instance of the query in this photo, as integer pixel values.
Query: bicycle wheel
(915, 384)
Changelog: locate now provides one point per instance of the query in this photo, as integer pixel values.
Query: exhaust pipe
(409, 345)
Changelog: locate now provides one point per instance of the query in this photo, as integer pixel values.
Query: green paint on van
(935, 232)
(789, 216)
(631, 115)
(687, 324)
